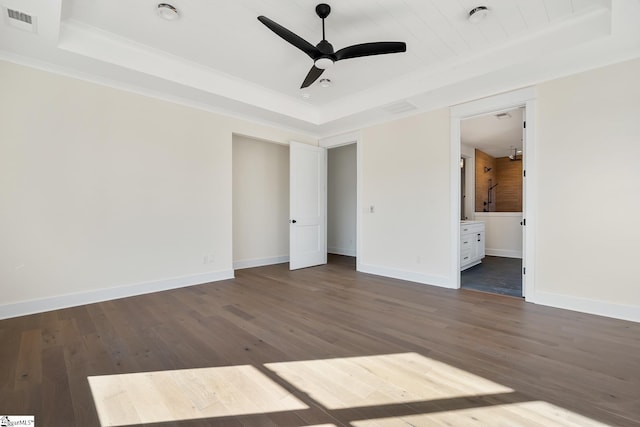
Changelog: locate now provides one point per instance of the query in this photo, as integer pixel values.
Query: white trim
(340, 140)
(504, 101)
(149, 93)
(259, 262)
(455, 197)
(530, 198)
(523, 97)
(106, 294)
(341, 251)
(506, 253)
(91, 42)
(585, 305)
(410, 276)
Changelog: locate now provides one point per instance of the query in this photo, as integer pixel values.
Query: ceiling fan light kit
(323, 54)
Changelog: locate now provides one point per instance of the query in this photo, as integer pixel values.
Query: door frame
(523, 97)
(339, 141)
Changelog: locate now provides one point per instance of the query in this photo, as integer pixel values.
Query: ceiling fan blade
(312, 76)
(292, 38)
(368, 49)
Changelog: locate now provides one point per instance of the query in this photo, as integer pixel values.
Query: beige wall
(588, 181)
(406, 178)
(588, 146)
(260, 202)
(101, 188)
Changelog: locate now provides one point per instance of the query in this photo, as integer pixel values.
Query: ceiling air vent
(21, 20)
(399, 107)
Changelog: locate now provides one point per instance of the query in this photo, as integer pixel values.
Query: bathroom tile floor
(498, 275)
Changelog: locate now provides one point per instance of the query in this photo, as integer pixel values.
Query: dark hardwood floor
(586, 364)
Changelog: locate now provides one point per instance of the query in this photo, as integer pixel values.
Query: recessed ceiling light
(167, 11)
(305, 95)
(477, 14)
(325, 82)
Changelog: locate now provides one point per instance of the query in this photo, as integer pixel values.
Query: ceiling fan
(323, 54)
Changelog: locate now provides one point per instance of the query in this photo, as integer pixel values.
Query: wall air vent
(21, 20)
(399, 107)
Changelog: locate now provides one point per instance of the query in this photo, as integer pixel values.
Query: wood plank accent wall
(507, 196)
(482, 181)
(509, 192)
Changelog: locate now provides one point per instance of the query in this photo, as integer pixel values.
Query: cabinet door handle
(478, 237)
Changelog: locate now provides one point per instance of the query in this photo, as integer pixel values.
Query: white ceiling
(493, 134)
(219, 57)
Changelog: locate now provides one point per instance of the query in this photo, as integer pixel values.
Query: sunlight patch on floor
(382, 380)
(529, 414)
(151, 397)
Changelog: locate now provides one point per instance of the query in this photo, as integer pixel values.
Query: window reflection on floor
(516, 414)
(187, 394)
(382, 380)
(369, 391)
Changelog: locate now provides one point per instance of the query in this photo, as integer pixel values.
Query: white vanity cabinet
(471, 243)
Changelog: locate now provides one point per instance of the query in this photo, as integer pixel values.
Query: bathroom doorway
(494, 144)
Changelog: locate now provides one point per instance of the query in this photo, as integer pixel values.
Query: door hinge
(524, 173)
(524, 125)
(524, 270)
(524, 221)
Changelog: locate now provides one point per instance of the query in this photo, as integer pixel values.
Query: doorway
(525, 98)
(342, 204)
(495, 142)
(260, 206)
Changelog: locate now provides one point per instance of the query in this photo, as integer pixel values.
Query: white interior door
(307, 206)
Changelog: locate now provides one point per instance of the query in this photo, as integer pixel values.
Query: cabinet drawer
(465, 257)
(471, 228)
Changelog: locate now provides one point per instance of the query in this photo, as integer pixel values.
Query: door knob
(293, 221)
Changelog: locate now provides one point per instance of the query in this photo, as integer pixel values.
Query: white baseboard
(507, 253)
(410, 276)
(342, 251)
(259, 262)
(585, 305)
(106, 294)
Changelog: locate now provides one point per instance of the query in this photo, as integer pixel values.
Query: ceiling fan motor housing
(323, 10)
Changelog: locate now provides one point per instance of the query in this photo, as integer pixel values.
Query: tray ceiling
(219, 57)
